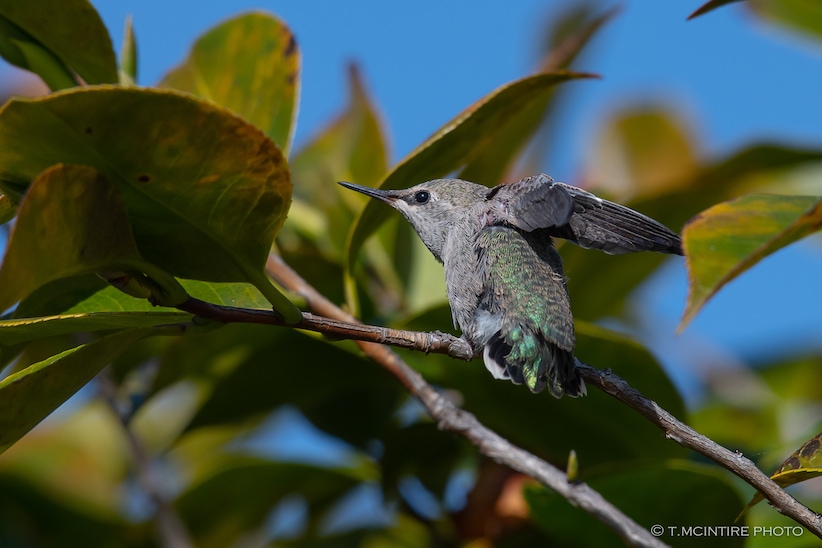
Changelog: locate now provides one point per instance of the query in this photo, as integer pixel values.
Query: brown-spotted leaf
(805, 463)
(205, 191)
(69, 30)
(729, 238)
(452, 146)
(73, 221)
(249, 64)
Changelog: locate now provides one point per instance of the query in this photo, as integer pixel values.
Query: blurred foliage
(182, 194)
(801, 16)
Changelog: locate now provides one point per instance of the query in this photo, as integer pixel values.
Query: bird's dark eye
(421, 196)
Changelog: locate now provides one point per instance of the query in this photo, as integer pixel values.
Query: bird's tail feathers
(537, 363)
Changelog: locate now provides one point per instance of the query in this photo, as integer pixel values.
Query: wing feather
(573, 214)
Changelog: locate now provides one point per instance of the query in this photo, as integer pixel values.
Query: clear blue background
(733, 79)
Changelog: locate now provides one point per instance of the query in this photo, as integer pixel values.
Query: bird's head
(433, 208)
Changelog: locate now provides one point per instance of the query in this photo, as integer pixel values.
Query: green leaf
(731, 237)
(249, 488)
(805, 463)
(52, 240)
(70, 30)
(205, 191)
(262, 364)
(451, 147)
(69, 522)
(600, 285)
(804, 16)
(249, 64)
(643, 152)
(60, 295)
(634, 488)
(128, 55)
(422, 450)
(110, 299)
(43, 63)
(30, 395)
(27, 329)
(352, 147)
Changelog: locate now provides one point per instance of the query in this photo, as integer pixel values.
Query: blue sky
(425, 61)
(731, 78)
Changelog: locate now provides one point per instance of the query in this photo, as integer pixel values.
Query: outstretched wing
(573, 214)
(613, 228)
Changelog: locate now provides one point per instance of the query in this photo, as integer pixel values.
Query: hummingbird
(504, 278)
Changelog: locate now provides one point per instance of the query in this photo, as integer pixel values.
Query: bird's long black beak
(387, 196)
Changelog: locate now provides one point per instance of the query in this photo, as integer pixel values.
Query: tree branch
(686, 436)
(435, 342)
(449, 417)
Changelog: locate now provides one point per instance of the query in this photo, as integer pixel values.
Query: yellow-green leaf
(729, 238)
(73, 221)
(228, 294)
(21, 330)
(249, 64)
(805, 463)
(128, 55)
(205, 191)
(804, 16)
(351, 148)
(45, 64)
(30, 395)
(70, 30)
(643, 152)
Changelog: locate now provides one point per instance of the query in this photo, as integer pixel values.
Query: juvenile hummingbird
(504, 278)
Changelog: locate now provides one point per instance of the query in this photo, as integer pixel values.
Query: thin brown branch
(170, 528)
(434, 342)
(686, 436)
(449, 417)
